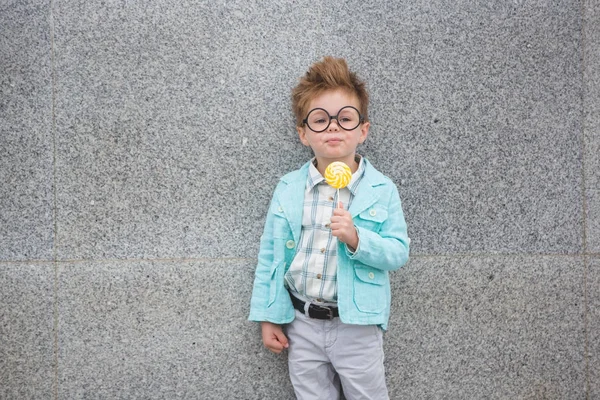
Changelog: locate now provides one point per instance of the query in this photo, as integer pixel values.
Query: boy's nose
(333, 125)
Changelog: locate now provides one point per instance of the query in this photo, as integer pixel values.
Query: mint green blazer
(363, 280)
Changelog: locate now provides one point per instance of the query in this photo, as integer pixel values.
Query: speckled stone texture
(175, 124)
(500, 327)
(26, 331)
(490, 327)
(163, 330)
(26, 149)
(476, 115)
(140, 145)
(591, 107)
(593, 310)
(174, 121)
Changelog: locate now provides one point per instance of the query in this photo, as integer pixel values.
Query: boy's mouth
(333, 140)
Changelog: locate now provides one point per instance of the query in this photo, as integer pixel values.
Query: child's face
(334, 143)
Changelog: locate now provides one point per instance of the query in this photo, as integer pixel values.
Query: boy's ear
(364, 132)
(302, 135)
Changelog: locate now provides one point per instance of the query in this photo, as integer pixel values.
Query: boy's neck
(322, 164)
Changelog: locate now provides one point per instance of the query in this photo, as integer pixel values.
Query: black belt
(315, 311)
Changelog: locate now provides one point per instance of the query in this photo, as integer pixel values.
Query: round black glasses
(348, 118)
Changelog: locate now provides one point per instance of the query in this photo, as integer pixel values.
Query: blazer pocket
(369, 289)
(372, 218)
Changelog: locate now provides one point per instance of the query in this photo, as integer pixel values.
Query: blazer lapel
(366, 196)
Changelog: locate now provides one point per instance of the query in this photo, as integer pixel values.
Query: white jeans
(325, 353)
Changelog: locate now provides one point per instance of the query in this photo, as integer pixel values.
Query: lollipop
(338, 175)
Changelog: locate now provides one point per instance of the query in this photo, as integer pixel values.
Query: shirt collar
(315, 178)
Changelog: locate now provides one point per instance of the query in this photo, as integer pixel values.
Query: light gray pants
(325, 353)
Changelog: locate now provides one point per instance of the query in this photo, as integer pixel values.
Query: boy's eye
(320, 121)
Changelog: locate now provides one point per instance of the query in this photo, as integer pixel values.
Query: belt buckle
(327, 309)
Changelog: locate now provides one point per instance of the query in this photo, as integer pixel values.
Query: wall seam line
(55, 228)
(584, 202)
(204, 259)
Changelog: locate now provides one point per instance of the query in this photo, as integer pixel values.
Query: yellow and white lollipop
(338, 175)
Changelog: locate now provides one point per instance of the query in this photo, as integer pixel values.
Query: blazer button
(290, 244)
(372, 213)
(371, 275)
(280, 209)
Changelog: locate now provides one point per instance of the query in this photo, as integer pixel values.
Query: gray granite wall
(140, 143)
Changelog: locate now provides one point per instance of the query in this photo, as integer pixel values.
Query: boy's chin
(336, 157)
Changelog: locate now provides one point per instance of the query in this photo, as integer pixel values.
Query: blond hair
(329, 74)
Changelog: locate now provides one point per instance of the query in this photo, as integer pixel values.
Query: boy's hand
(273, 337)
(343, 228)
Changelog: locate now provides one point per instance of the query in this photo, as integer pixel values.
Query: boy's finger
(339, 212)
(341, 205)
(282, 339)
(275, 348)
(274, 343)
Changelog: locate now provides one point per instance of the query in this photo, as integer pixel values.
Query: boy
(323, 264)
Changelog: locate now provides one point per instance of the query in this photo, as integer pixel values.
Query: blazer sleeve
(389, 248)
(262, 278)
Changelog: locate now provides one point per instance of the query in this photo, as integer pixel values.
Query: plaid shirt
(313, 272)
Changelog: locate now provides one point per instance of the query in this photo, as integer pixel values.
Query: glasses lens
(348, 118)
(318, 120)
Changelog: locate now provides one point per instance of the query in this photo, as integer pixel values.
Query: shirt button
(290, 244)
(322, 249)
(319, 276)
(372, 213)
(371, 275)
(327, 226)
(330, 198)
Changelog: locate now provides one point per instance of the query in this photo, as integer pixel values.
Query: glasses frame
(361, 119)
